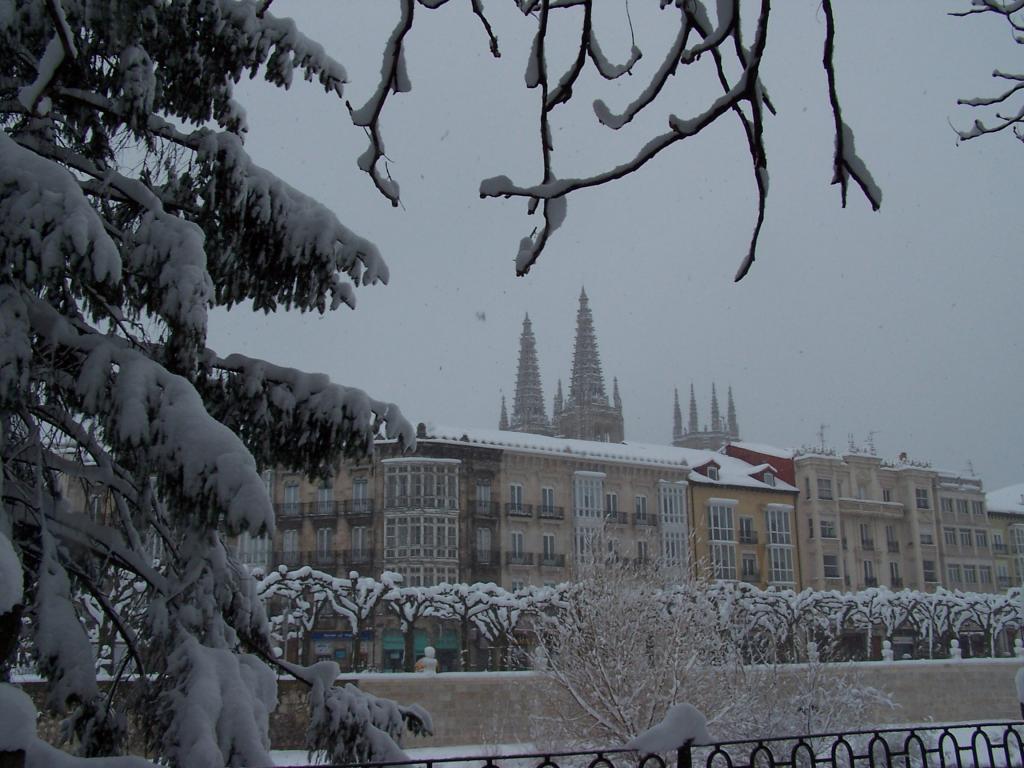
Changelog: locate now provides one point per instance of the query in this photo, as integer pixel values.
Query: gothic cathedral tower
(528, 413)
(586, 414)
(713, 437)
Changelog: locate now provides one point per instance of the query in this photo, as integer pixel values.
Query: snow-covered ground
(296, 757)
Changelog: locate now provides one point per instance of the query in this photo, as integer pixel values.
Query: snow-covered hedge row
(784, 617)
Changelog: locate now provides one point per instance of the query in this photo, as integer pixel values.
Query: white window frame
(290, 544)
(588, 495)
(324, 543)
(515, 496)
(922, 498)
(484, 545)
(547, 498)
(516, 541)
(640, 506)
(548, 546)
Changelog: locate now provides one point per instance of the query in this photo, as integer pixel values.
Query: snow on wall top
(1008, 499)
(732, 471)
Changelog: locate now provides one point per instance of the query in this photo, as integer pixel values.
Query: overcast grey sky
(906, 321)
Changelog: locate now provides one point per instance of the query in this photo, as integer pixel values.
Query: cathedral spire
(733, 426)
(616, 400)
(692, 425)
(503, 421)
(716, 418)
(557, 408)
(587, 383)
(677, 419)
(528, 413)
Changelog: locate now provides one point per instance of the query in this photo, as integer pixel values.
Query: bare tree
(625, 647)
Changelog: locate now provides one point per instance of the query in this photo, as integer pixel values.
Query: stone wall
(495, 708)
(481, 708)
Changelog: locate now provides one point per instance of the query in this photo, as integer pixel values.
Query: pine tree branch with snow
(129, 208)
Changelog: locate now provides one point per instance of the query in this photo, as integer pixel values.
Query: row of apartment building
(487, 505)
(476, 505)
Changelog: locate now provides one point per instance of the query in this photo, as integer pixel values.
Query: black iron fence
(974, 745)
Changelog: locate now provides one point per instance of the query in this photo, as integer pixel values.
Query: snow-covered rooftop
(731, 471)
(767, 450)
(1008, 499)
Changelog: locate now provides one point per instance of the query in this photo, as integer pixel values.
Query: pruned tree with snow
(461, 603)
(498, 621)
(129, 208)
(359, 601)
(295, 601)
(408, 604)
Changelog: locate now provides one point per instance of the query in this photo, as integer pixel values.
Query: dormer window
(769, 479)
(712, 472)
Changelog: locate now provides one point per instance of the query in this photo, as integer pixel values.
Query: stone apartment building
(966, 548)
(1006, 534)
(744, 521)
(866, 522)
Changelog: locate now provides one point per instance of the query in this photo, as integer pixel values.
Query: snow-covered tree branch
(1007, 105)
(129, 208)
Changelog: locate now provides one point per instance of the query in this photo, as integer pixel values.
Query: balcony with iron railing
(358, 556)
(870, 581)
(748, 537)
(417, 503)
(890, 509)
(750, 575)
(486, 558)
(551, 560)
(615, 517)
(352, 507)
(288, 509)
(519, 558)
(1000, 549)
(550, 512)
(294, 558)
(484, 508)
(321, 508)
(518, 509)
(867, 544)
(324, 558)
(892, 546)
(644, 519)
